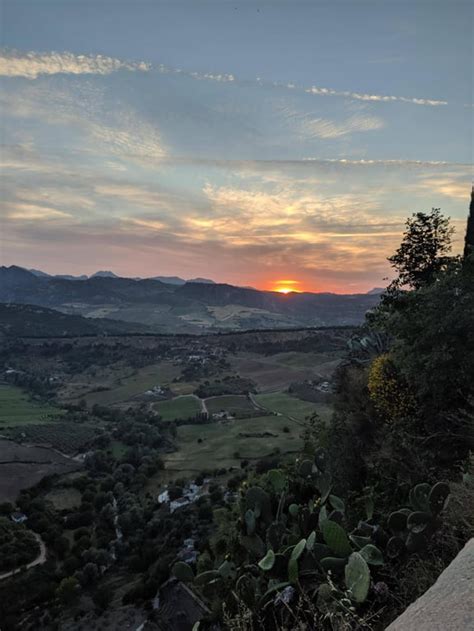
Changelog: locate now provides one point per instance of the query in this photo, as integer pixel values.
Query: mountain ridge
(188, 307)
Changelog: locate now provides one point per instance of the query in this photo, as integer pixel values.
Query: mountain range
(184, 307)
(171, 280)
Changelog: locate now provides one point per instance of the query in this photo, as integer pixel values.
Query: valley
(223, 403)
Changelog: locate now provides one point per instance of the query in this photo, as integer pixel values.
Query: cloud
(329, 129)
(31, 65)
(80, 108)
(378, 98)
(452, 186)
(34, 212)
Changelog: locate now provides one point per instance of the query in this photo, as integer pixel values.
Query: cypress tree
(469, 240)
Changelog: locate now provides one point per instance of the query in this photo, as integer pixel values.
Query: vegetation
(277, 521)
(17, 408)
(180, 408)
(18, 546)
(282, 403)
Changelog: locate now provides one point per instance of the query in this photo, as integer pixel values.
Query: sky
(247, 142)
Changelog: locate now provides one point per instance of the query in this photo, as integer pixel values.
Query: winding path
(40, 559)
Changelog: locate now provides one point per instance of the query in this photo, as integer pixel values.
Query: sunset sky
(249, 142)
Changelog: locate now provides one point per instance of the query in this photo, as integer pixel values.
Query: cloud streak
(31, 65)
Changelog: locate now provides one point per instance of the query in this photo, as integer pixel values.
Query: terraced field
(17, 408)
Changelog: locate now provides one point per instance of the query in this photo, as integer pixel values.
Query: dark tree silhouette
(424, 250)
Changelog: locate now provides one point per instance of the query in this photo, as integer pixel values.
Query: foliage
(18, 545)
(388, 391)
(289, 530)
(423, 251)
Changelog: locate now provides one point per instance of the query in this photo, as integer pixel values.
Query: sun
(286, 286)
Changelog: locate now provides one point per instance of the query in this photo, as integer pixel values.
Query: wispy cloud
(379, 98)
(34, 212)
(31, 65)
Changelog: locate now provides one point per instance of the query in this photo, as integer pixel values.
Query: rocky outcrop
(448, 604)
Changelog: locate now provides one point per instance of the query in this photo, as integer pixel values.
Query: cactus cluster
(293, 535)
(412, 527)
(362, 350)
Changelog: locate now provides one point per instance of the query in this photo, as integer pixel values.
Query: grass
(17, 408)
(289, 406)
(225, 445)
(233, 403)
(64, 498)
(130, 386)
(178, 408)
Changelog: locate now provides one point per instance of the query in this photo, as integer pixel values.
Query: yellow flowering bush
(388, 391)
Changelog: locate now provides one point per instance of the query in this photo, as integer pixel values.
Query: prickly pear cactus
(357, 575)
(258, 500)
(336, 538)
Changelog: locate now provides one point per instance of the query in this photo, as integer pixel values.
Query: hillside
(189, 307)
(21, 320)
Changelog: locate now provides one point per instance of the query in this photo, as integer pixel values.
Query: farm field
(276, 372)
(22, 467)
(134, 384)
(17, 408)
(226, 444)
(233, 403)
(68, 438)
(179, 408)
(289, 406)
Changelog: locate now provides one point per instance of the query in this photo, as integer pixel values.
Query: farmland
(235, 405)
(179, 408)
(68, 438)
(282, 403)
(22, 467)
(276, 372)
(226, 444)
(126, 385)
(17, 408)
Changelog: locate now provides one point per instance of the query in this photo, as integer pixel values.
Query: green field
(226, 446)
(234, 404)
(16, 408)
(289, 406)
(130, 386)
(178, 408)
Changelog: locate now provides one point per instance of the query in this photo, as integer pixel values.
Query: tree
(469, 239)
(424, 250)
(68, 591)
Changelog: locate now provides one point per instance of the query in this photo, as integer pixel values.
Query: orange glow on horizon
(286, 286)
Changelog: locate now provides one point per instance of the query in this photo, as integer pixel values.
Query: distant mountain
(104, 274)
(171, 280)
(201, 280)
(376, 291)
(190, 307)
(38, 272)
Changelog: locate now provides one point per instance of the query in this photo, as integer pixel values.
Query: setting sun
(286, 286)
